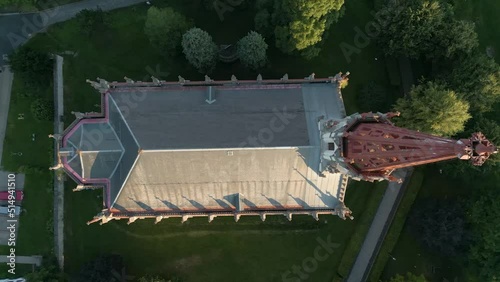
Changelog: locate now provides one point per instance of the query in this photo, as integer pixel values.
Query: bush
(33, 65)
(165, 27)
(42, 110)
(263, 22)
(252, 50)
(200, 49)
(91, 20)
(372, 97)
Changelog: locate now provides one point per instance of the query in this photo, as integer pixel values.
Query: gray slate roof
(255, 147)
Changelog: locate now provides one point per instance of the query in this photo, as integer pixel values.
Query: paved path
(377, 230)
(16, 29)
(58, 183)
(36, 260)
(6, 78)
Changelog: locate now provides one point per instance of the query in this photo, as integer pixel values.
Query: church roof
(169, 149)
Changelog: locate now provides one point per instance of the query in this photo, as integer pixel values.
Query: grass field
(196, 251)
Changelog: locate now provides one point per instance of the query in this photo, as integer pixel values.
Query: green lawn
(35, 235)
(197, 251)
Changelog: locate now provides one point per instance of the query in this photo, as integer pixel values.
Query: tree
(416, 28)
(300, 24)
(200, 50)
(263, 22)
(372, 97)
(433, 109)
(251, 50)
(91, 20)
(440, 226)
(104, 268)
(477, 79)
(409, 277)
(485, 220)
(33, 65)
(165, 27)
(47, 272)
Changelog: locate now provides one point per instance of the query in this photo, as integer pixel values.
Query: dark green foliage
(311, 52)
(47, 272)
(200, 49)
(464, 169)
(33, 65)
(372, 97)
(485, 220)
(159, 279)
(440, 226)
(433, 109)
(165, 27)
(42, 109)
(477, 79)
(263, 23)
(298, 24)
(409, 277)
(151, 279)
(91, 21)
(104, 268)
(424, 28)
(251, 50)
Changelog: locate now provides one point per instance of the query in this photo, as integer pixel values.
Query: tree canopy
(47, 272)
(104, 268)
(299, 24)
(409, 277)
(433, 109)
(251, 50)
(200, 49)
(440, 226)
(415, 28)
(35, 66)
(165, 28)
(467, 171)
(477, 79)
(485, 220)
(91, 21)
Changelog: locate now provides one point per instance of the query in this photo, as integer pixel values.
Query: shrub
(91, 20)
(33, 65)
(252, 50)
(200, 49)
(42, 110)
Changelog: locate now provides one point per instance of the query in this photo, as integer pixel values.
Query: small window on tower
(331, 146)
